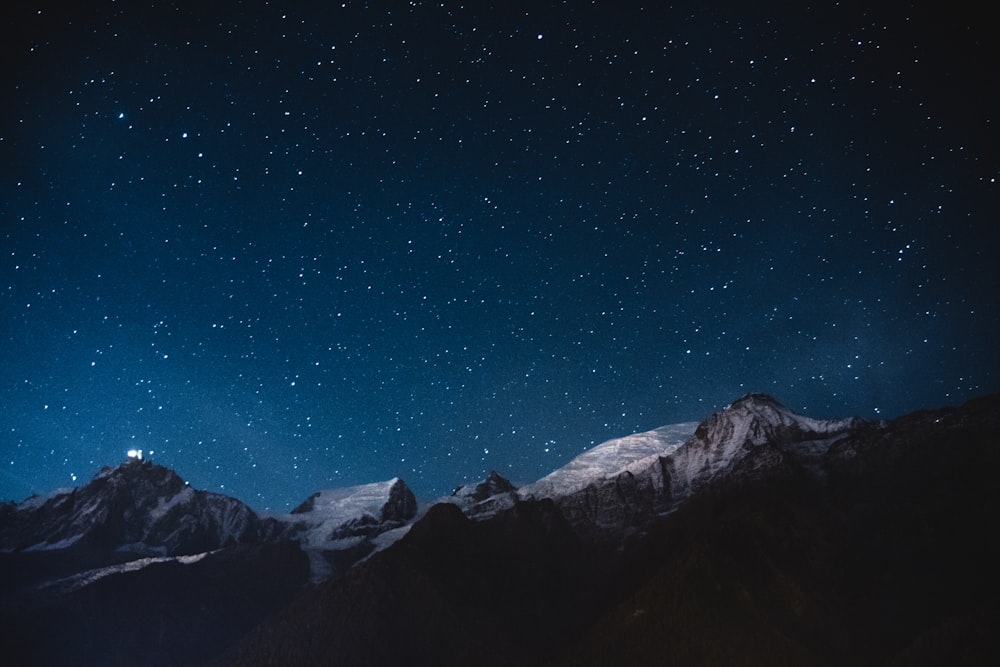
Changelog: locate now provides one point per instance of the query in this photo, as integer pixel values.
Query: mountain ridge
(138, 506)
(771, 563)
(601, 526)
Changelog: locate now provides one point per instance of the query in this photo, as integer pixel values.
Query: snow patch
(333, 508)
(609, 459)
(55, 546)
(81, 579)
(36, 501)
(390, 537)
(166, 504)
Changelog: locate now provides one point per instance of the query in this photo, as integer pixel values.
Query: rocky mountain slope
(485, 499)
(137, 567)
(137, 507)
(755, 537)
(782, 540)
(338, 527)
(751, 438)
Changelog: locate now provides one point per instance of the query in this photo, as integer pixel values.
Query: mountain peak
(757, 418)
(336, 527)
(140, 475)
(486, 498)
(136, 506)
(493, 484)
(388, 500)
(756, 399)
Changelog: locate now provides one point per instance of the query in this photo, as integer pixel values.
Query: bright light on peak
(135, 454)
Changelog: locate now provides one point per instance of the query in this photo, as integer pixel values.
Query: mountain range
(758, 536)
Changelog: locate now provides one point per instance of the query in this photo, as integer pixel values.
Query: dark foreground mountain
(757, 537)
(875, 548)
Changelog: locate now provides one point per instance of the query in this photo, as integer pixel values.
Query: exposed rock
(750, 438)
(491, 486)
(886, 560)
(139, 507)
(338, 527)
(486, 498)
(401, 504)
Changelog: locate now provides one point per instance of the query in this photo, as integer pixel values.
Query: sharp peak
(757, 398)
(134, 464)
(759, 404)
(135, 467)
(755, 407)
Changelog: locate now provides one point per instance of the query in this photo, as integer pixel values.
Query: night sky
(290, 246)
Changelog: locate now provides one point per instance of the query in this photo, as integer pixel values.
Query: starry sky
(286, 246)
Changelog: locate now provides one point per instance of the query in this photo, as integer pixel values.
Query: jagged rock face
(338, 527)
(695, 536)
(615, 506)
(307, 505)
(357, 511)
(740, 430)
(362, 526)
(401, 505)
(756, 419)
(486, 498)
(609, 459)
(137, 506)
(886, 561)
(754, 437)
(491, 486)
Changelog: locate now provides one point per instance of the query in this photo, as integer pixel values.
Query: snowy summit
(609, 459)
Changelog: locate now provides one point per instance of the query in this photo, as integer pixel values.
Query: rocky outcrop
(491, 486)
(401, 505)
(485, 499)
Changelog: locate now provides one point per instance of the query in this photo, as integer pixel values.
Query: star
(345, 244)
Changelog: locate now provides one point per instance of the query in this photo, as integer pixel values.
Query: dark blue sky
(293, 246)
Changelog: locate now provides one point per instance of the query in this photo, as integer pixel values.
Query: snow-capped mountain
(727, 548)
(609, 459)
(137, 507)
(355, 511)
(612, 522)
(141, 509)
(148, 510)
(622, 484)
(337, 527)
(754, 427)
(485, 499)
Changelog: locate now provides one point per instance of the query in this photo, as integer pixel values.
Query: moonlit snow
(609, 459)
